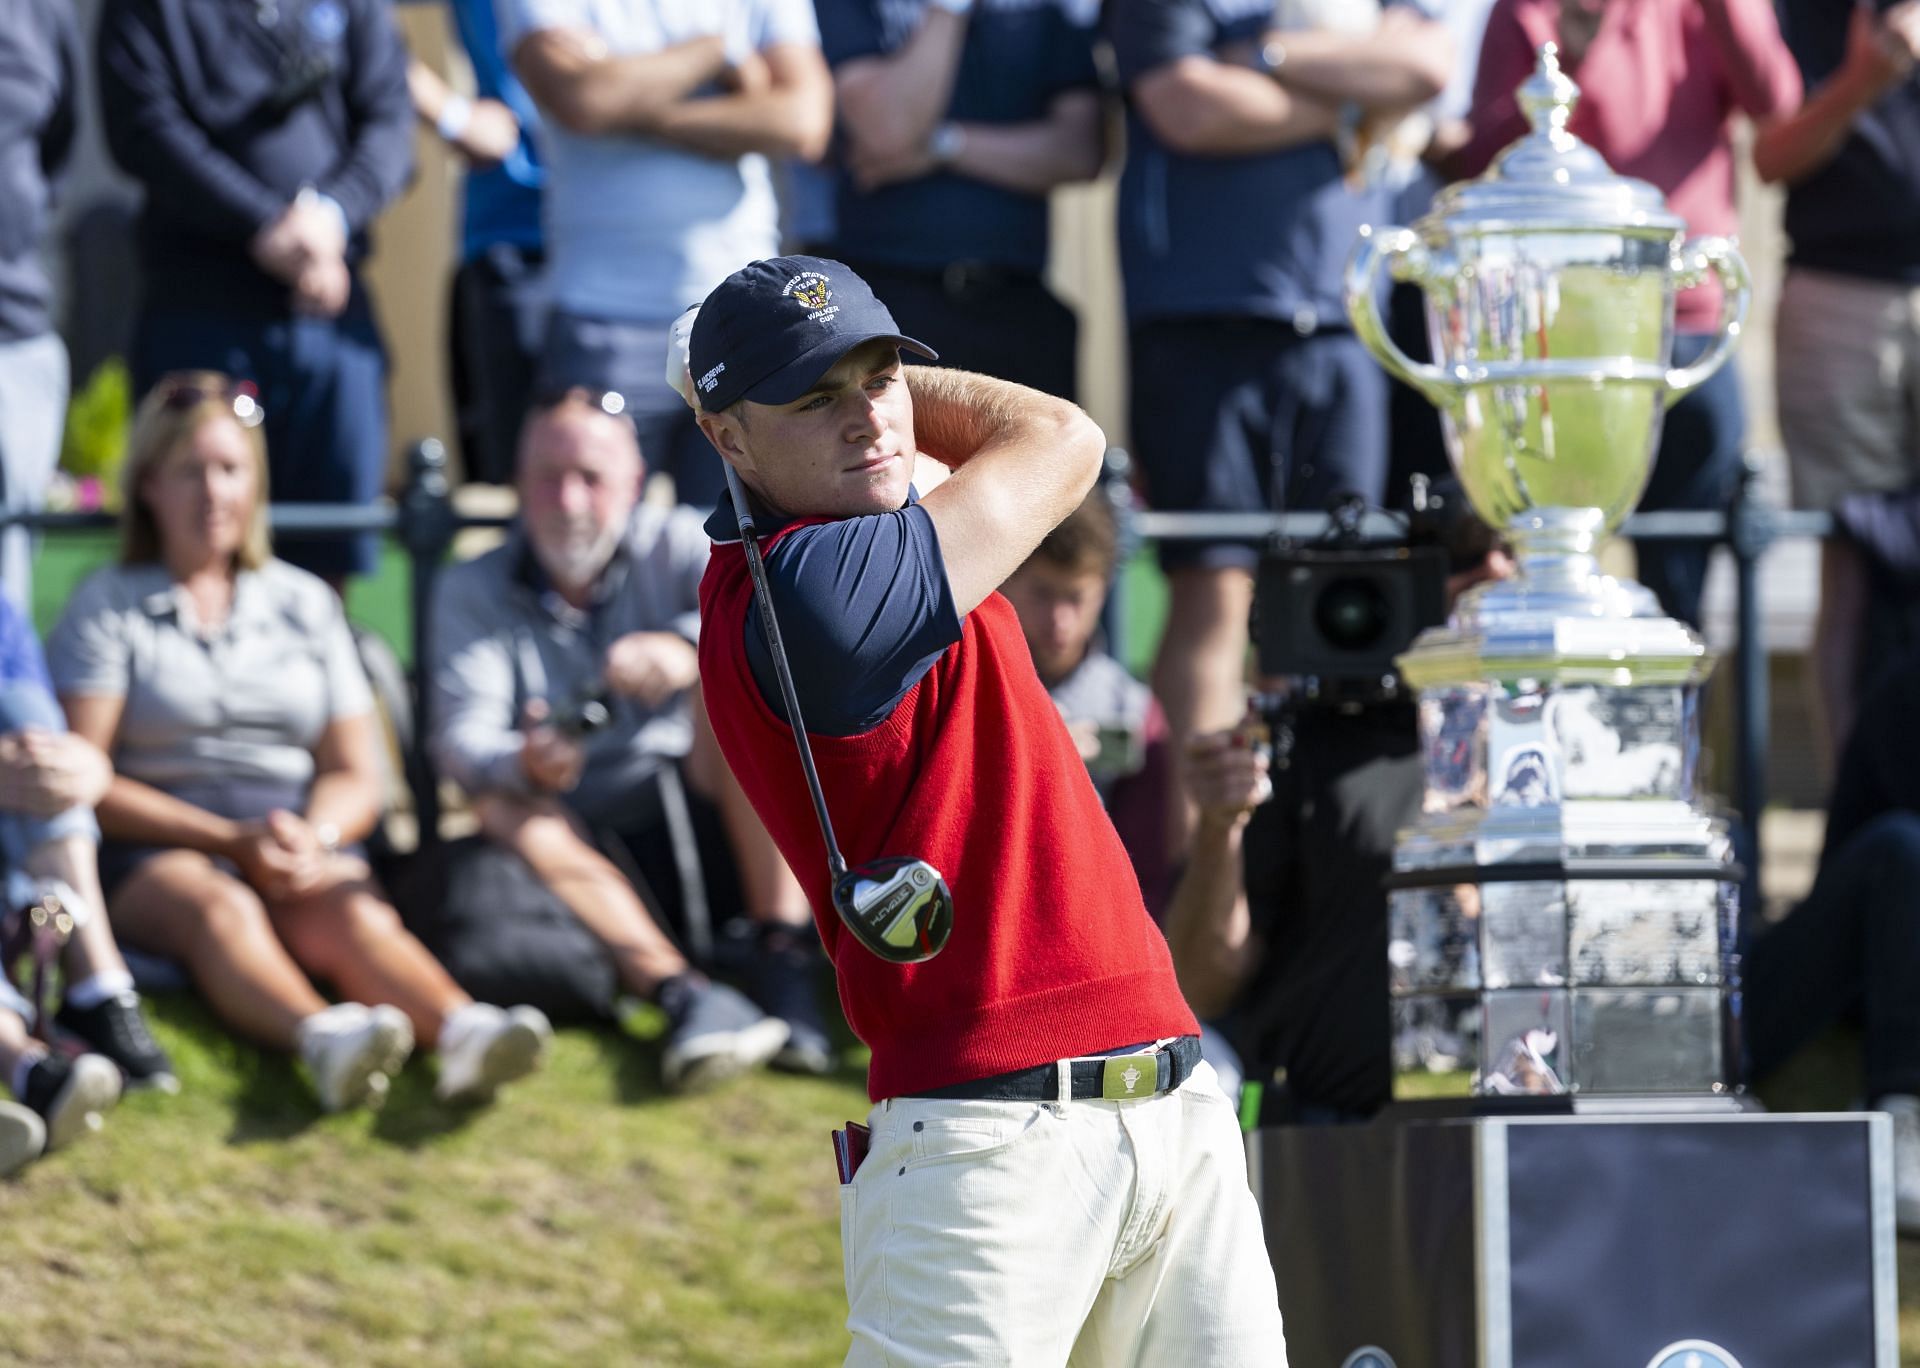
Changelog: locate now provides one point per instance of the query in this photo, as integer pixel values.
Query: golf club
(897, 906)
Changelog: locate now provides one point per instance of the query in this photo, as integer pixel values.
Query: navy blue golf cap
(769, 331)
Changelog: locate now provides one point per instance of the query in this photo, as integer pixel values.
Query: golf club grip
(757, 572)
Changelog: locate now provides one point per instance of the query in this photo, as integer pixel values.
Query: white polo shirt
(637, 230)
(245, 703)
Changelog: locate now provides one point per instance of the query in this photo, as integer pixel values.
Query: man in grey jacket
(563, 662)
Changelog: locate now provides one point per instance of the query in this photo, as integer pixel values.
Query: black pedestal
(1584, 1241)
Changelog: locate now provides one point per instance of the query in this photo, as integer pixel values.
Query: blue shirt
(502, 202)
(865, 610)
(21, 659)
(1860, 213)
(1264, 236)
(1019, 56)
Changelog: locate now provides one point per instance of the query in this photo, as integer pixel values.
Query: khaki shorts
(1847, 374)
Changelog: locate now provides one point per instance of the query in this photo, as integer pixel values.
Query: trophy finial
(1549, 95)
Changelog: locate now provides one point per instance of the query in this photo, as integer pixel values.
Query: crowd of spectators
(622, 157)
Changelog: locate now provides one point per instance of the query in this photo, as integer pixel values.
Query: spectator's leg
(1842, 374)
(33, 410)
(1855, 940)
(499, 321)
(180, 905)
(328, 443)
(1199, 674)
(784, 974)
(772, 892)
(350, 936)
(1328, 403)
(66, 847)
(1203, 433)
(1839, 634)
(560, 853)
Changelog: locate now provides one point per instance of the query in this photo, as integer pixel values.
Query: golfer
(1054, 1176)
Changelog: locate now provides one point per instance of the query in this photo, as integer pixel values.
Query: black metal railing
(424, 521)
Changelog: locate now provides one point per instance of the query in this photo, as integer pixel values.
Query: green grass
(584, 1219)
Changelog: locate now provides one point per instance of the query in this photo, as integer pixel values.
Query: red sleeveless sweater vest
(1053, 953)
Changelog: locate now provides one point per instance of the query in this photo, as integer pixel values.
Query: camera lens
(1351, 614)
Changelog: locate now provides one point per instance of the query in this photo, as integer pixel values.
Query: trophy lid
(1550, 178)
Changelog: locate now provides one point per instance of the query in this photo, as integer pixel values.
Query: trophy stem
(1557, 548)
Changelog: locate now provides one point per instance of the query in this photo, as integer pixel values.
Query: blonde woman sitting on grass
(225, 687)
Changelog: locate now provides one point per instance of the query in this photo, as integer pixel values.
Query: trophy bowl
(1549, 287)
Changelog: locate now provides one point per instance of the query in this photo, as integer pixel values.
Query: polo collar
(162, 596)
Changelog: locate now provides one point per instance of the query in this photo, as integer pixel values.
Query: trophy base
(1579, 1240)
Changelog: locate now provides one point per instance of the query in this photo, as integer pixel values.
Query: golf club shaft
(756, 568)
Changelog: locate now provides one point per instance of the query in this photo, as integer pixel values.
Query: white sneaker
(23, 1135)
(72, 1096)
(1904, 1108)
(483, 1047)
(352, 1051)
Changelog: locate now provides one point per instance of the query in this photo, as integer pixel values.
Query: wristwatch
(455, 115)
(946, 143)
(1269, 57)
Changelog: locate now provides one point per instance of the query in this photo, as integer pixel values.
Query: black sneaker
(117, 1029)
(713, 1034)
(72, 1095)
(784, 978)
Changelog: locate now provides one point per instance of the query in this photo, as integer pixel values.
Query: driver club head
(898, 907)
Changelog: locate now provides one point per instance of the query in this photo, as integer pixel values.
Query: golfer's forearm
(1209, 924)
(957, 414)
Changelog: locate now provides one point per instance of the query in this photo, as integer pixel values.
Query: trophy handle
(1407, 256)
(1718, 255)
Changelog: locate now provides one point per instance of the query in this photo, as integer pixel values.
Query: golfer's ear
(724, 432)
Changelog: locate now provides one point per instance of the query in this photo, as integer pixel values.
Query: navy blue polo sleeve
(865, 610)
(1150, 33)
(848, 29)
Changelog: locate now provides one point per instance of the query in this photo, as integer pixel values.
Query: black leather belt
(1116, 1078)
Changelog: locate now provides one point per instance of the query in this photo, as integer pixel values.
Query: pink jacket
(1659, 85)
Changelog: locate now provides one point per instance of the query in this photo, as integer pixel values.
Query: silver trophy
(1563, 913)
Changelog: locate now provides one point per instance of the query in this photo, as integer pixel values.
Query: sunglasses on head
(610, 402)
(179, 395)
